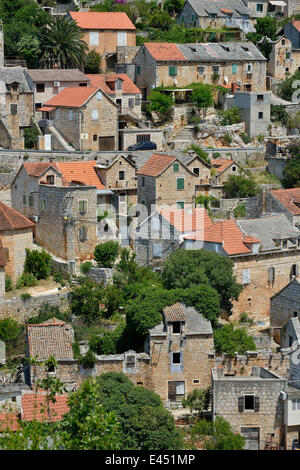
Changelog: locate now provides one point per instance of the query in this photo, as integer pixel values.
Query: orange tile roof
(38, 168)
(102, 20)
(100, 80)
(225, 232)
(10, 219)
(225, 10)
(288, 197)
(221, 164)
(82, 172)
(9, 421)
(34, 404)
(72, 97)
(164, 51)
(248, 239)
(296, 24)
(184, 220)
(156, 164)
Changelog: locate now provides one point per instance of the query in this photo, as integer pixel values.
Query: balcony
(46, 122)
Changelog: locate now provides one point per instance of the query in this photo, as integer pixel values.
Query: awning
(45, 108)
(104, 192)
(277, 3)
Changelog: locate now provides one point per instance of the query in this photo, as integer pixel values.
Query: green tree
(230, 116)
(197, 400)
(240, 210)
(279, 114)
(10, 333)
(202, 96)
(216, 435)
(285, 89)
(173, 6)
(291, 171)
(31, 137)
(229, 339)
(28, 48)
(38, 263)
(106, 254)
(63, 45)
(240, 186)
(199, 151)
(85, 300)
(161, 20)
(93, 62)
(161, 104)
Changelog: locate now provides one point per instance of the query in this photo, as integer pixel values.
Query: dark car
(143, 146)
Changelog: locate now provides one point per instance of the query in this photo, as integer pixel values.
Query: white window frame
(94, 114)
(122, 38)
(94, 38)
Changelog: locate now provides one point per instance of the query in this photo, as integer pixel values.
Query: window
(260, 97)
(295, 314)
(30, 201)
(122, 38)
(249, 402)
(196, 171)
(215, 69)
(131, 103)
(271, 275)
(51, 368)
(157, 250)
(283, 42)
(284, 244)
(296, 404)
(95, 137)
(180, 205)
(196, 381)
(121, 175)
(38, 106)
(260, 115)
(143, 181)
(83, 206)
(294, 270)
(233, 168)
(143, 138)
(43, 205)
(13, 109)
(234, 69)
(173, 70)
(82, 233)
(137, 101)
(130, 360)
(94, 38)
(176, 167)
(138, 69)
(70, 115)
(24, 199)
(176, 358)
(95, 114)
(99, 96)
(249, 68)
(50, 179)
(40, 87)
(288, 55)
(259, 7)
(201, 70)
(180, 184)
(139, 383)
(14, 399)
(176, 327)
(246, 276)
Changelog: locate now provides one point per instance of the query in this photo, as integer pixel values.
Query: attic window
(130, 360)
(176, 327)
(40, 87)
(245, 48)
(226, 48)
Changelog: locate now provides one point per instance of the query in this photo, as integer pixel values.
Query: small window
(259, 7)
(215, 69)
(40, 87)
(196, 381)
(24, 199)
(121, 175)
(260, 115)
(176, 359)
(70, 115)
(180, 205)
(283, 42)
(95, 137)
(143, 181)
(83, 84)
(94, 38)
(30, 201)
(51, 368)
(201, 70)
(14, 399)
(260, 97)
(249, 402)
(180, 184)
(143, 138)
(43, 205)
(82, 233)
(295, 314)
(50, 179)
(138, 69)
(83, 206)
(284, 244)
(139, 383)
(249, 68)
(196, 171)
(173, 70)
(288, 55)
(13, 109)
(176, 167)
(94, 114)
(233, 168)
(131, 103)
(234, 69)
(176, 327)
(38, 106)
(294, 270)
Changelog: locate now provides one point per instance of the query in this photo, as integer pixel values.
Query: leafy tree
(38, 263)
(63, 45)
(93, 62)
(10, 332)
(106, 254)
(161, 104)
(197, 400)
(279, 114)
(145, 423)
(229, 339)
(291, 171)
(173, 6)
(217, 435)
(202, 96)
(199, 151)
(240, 186)
(161, 20)
(203, 298)
(30, 137)
(285, 88)
(266, 26)
(108, 342)
(47, 311)
(230, 116)
(28, 47)
(218, 270)
(85, 300)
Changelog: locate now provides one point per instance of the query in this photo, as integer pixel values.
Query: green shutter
(180, 183)
(138, 69)
(234, 68)
(83, 206)
(172, 70)
(176, 167)
(180, 205)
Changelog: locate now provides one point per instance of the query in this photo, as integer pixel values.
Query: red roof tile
(155, 165)
(164, 51)
(221, 164)
(184, 220)
(296, 24)
(100, 80)
(10, 219)
(82, 172)
(288, 197)
(34, 406)
(102, 20)
(9, 421)
(38, 168)
(72, 97)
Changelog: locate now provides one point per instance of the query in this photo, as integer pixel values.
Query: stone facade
(261, 414)
(133, 135)
(281, 60)
(15, 243)
(283, 306)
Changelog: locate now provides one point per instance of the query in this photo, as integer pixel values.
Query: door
(48, 141)
(107, 143)
(176, 391)
(252, 438)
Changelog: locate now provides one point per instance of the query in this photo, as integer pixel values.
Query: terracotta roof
(46, 108)
(225, 10)
(174, 313)
(34, 406)
(184, 220)
(100, 80)
(155, 165)
(51, 338)
(221, 164)
(38, 168)
(288, 197)
(248, 239)
(83, 172)
(225, 232)
(10, 219)
(296, 24)
(71, 96)
(102, 20)
(9, 421)
(164, 51)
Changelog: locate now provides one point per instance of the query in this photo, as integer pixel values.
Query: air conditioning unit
(35, 218)
(56, 83)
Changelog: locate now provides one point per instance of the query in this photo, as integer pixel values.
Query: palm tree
(63, 45)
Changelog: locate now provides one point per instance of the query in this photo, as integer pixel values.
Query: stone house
(284, 306)
(283, 59)
(104, 32)
(165, 180)
(16, 107)
(207, 14)
(51, 338)
(81, 118)
(223, 169)
(47, 83)
(257, 8)
(16, 232)
(169, 64)
(251, 404)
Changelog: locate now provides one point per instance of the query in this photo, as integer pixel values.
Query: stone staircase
(60, 138)
(183, 138)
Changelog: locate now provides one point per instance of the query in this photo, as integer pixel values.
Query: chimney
(83, 347)
(220, 372)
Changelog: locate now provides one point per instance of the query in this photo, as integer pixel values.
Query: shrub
(244, 318)
(240, 186)
(230, 116)
(240, 210)
(106, 254)
(260, 138)
(279, 114)
(245, 138)
(47, 311)
(26, 280)
(230, 340)
(86, 267)
(30, 137)
(25, 296)
(38, 263)
(8, 283)
(227, 139)
(88, 361)
(160, 103)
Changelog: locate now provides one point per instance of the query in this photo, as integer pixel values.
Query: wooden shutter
(241, 404)
(271, 274)
(256, 404)
(180, 183)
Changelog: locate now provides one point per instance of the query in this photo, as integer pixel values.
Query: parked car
(143, 146)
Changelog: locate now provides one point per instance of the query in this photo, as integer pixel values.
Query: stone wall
(284, 305)
(100, 275)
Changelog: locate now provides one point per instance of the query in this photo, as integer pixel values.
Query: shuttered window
(172, 70)
(138, 69)
(246, 276)
(83, 206)
(271, 274)
(176, 167)
(180, 183)
(234, 69)
(82, 233)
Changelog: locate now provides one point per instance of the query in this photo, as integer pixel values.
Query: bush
(30, 137)
(244, 318)
(279, 114)
(26, 280)
(47, 311)
(25, 296)
(161, 104)
(8, 284)
(245, 138)
(240, 210)
(106, 254)
(227, 139)
(88, 361)
(240, 186)
(230, 340)
(86, 267)
(230, 116)
(38, 263)
(199, 151)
